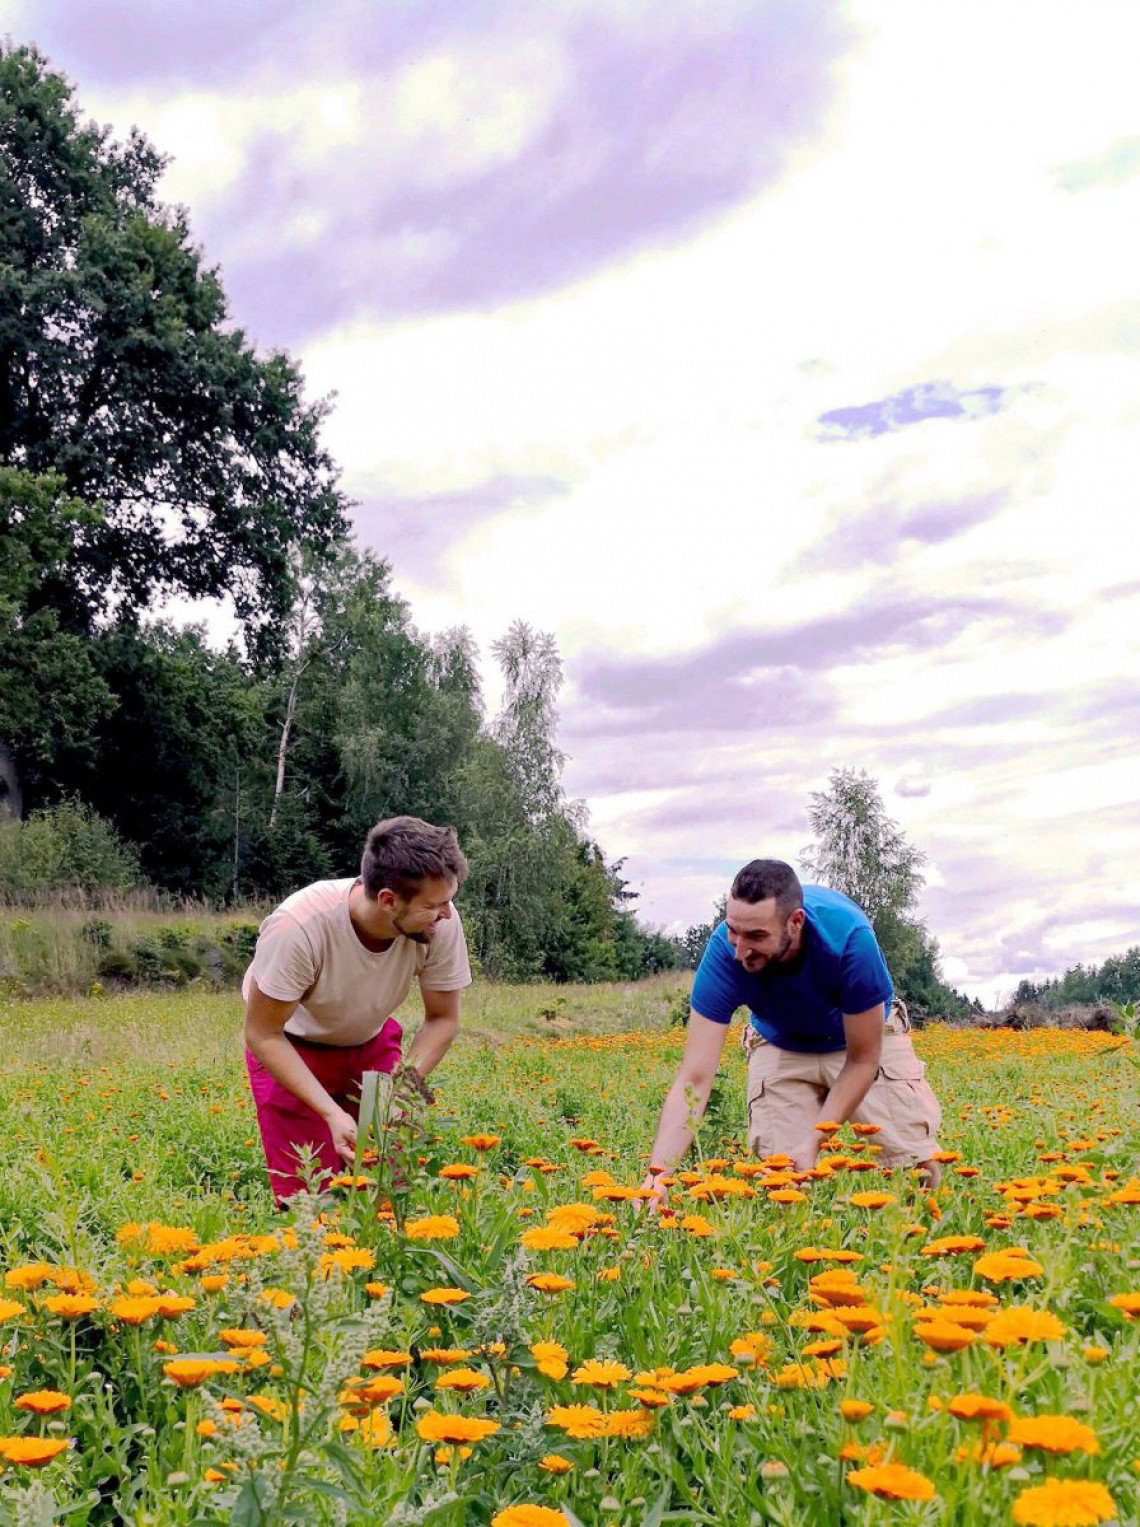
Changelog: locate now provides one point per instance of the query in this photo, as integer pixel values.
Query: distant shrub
(62, 848)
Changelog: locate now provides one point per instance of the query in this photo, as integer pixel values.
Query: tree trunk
(11, 796)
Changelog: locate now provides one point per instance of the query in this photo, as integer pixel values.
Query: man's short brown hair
(402, 852)
(762, 878)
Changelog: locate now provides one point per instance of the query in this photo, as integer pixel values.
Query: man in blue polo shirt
(825, 1039)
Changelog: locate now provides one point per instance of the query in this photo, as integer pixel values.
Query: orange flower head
(43, 1402)
(893, 1481)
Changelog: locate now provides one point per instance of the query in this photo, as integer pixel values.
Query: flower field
(485, 1327)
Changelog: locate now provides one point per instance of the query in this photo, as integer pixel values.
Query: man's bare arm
(265, 1020)
(687, 1098)
(439, 1028)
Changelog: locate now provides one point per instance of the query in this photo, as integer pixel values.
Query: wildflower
(991, 1455)
(347, 1259)
(43, 1402)
(855, 1411)
(1053, 1434)
(375, 1290)
(241, 1338)
(380, 1358)
(434, 1427)
(463, 1380)
(374, 1391)
(459, 1171)
(600, 1375)
(269, 1406)
(170, 1306)
(1064, 1503)
(445, 1296)
(445, 1354)
(953, 1246)
(696, 1225)
(554, 1463)
(742, 1413)
(548, 1238)
(69, 1306)
(894, 1481)
(134, 1312)
(786, 1196)
(530, 1516)
(373, 1430)
(631, 1425)
(573, 1217)
(702, 1376)
(551, 1359)
(434, 1227)
(30, 1277)
(578, 1421)
(978, 1407)
(752, 1347)
(873, 1200)
(549, 1283)
(189, 1372)
(32, 1452)
(1005, 1266)
(945, 1335)
(1022, 1324)
(277, 1298)
(481, 1142)
(1094, 1356)
(1127, 1304)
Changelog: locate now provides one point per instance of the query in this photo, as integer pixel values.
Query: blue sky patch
(928, 400)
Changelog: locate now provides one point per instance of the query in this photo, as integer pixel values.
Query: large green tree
(120, 373)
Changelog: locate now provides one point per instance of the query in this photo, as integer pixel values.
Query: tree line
(1116, 981)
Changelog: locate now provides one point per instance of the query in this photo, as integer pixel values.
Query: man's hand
(342, 1127)
(805, 1152)
(656, 1192)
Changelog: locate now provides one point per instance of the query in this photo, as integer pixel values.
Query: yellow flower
(134, 1312)
(1022, 1324)
(530, 1516)
(29, 1277)
(548, 1238)
(463, 1380)
(551, 1358)
(855, 1410)
(189, 1372)
(1005, 1266)
(434, 1227)
(549, 1283)
(553, 1463)
(239, 1337)
(445, 1296)
(601, 1375)
(380, 1358)
(69, 1306)
(703, 1376)
(31, 1452)
(1064, 1503)
(434, 1427)
(1053, 1434)
(481, 1142)
(43, 1402)
(894, 1481)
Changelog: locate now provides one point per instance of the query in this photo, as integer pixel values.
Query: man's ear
(386, 898)
(797, 919)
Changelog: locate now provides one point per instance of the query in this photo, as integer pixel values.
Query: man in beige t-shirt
(331, 965)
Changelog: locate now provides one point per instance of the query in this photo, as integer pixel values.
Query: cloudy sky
(781, 357)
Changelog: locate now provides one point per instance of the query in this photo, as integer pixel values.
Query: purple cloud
(878, 536)
(414, 530)
(914, 405)
(658, 128)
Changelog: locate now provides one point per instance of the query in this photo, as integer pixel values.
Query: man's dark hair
(402, 852)
(763, 878)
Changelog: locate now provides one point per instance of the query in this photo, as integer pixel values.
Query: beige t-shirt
(308, 952)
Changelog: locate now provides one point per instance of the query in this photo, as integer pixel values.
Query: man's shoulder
(312, 903)
(833, 911)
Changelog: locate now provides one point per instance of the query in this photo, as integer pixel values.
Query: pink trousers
(287, 1124)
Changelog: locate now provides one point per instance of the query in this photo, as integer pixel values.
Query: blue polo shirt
(800, 1005)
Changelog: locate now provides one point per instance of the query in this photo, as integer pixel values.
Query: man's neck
(371, 922)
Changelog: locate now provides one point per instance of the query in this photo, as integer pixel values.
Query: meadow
(481, 1327)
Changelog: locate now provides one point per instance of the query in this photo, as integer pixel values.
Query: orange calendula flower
(872, 1200)
(434, 1427)
(1021, 1324)
(134, 1311)
(481, 1142)
(240, 1337)
(43, 1402)
(548, 1238)
(444, 1296)
(893, 1481)
(702, 1376)
(554, 1463)
(953, 1246)
(69, 1306)
(855, 1410)
(463, 1380)
(578, 1421)
(381, 1357)
(31, 1452)
(189, 1372)
(1064, 1503)
(373, 1391)
(945, 1335)
(531, 1516)
(978, 1407)
(1127, 1304)
(549, 1283)
(459, 1171)
(551, 1358)
(574, 1217)
(32, 1276)
(434, 1227)
(9, 1309)
(375, 1290)
(1053, 1434)
(1006, 1266)
(170, 1306)
(601, 1375)
(445, 1354)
